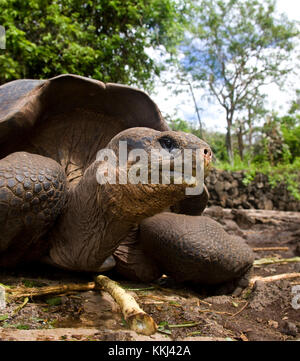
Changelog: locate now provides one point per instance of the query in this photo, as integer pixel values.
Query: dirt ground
(183, 313)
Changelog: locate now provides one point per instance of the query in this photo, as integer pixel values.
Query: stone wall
(226, 189)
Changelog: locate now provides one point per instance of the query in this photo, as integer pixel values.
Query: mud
(181, 311)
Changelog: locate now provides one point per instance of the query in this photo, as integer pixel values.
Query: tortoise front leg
(132, 262)
(194, 248)
(32, 194)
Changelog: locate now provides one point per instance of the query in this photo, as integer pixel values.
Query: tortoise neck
(86, 232)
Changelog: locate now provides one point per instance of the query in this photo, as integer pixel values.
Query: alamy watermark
(2, 38)
(159, 167)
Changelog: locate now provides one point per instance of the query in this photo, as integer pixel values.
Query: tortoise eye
(168, 143)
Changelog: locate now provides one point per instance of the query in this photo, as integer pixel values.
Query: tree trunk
(240, 141)
(229, 144)
(229, 117)
(196, 108)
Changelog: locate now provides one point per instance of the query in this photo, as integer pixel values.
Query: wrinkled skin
(108, 212)
(53, 209)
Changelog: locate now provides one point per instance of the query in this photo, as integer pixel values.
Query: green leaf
(55, 301)
(22, 327)
(3, 317)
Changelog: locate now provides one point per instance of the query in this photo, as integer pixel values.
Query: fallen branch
(217, 312)
(242, 309)
(17, 310)
(139, 289)
(272, 260)
(261, 249)
(283, 276)
(138, 320)
(195, 333)
(19, 292)
(188, 324)
(204, 302)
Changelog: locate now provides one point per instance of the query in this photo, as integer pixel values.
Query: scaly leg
(32, 194)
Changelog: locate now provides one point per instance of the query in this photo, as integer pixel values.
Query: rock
(236, 203)
(230, 225)
(289, 328)
(238, 175)
(265, 203)
(213, 195)
(227, 186)
(244, 198)
(223, 198)
(214, 212)
(268, 204)
(246, 205)
(294, 206)
(242, 219)
(213, 179)
(228, 176)
(273, 323)
(229, 203)
(237, 292)
(233, 192)
(219, 186)
(227, 189)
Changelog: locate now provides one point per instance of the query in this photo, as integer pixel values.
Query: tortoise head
(142, 171)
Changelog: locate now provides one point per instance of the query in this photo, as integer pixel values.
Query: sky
(212, 114)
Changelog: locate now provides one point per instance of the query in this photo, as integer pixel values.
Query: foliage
(235, 47)
(102, 39)
(216, 141)
(290, 127)
(276, 154)
(281, 165)
(272, 147)
(292, 138)
(286, 173)
(213, 138)
(179, 125)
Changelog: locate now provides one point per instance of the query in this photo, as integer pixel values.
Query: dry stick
(206, 303)
(134, 315)
(217, 312)
(242, 309)
(138, 320)
(273, 260)
(191, 324)
(21, 306)
(259, 249)
(19, 292)
(283, 276)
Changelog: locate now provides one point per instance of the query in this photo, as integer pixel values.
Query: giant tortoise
(53, 209)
